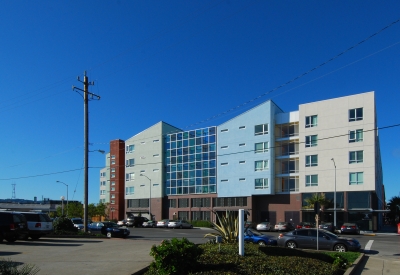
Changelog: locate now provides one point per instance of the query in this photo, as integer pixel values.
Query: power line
(238, 152)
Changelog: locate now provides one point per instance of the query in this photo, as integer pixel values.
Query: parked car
(12, 226)
(110, 229)
(122, 223)
(304, 225)
(350, 228)
(307, 238)
(78, 223)
(328, 226)
(39, 224)
(135, 221)
(150, 224)
(163, 223)
(249, 224)
(284, 226)
(264, 226)
(179, 224)
(258, 238)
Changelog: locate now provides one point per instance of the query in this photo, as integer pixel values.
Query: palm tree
(317, 197)
(394, 207)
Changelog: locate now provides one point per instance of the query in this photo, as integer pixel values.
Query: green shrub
(174, 257)
(8, 267)
(64, 224)
(202, 224)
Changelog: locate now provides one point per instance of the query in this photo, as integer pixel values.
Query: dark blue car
(258, 238)
(110, 229)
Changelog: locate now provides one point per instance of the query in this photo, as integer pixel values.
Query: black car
(307, 238)
(110, 229)
(350, 228)
(136, 221)
(12, 226)
(328, 226)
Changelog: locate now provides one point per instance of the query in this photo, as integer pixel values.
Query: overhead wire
(160, 162)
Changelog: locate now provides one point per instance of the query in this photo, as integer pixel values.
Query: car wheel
(108, 234)
(291, 244)
(261, 243)
(340, 248)
(180, 227)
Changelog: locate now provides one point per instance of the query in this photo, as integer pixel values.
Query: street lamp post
(62, 205)
(334, 198)
(67, 194)
(149, 196)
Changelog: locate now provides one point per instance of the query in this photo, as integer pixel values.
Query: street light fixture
(62, 205)
(151, 218)
(67, 195)
(334, 198)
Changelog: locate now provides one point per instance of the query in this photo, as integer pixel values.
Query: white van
(39, 224)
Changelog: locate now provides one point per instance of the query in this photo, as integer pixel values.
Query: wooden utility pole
(86, 94)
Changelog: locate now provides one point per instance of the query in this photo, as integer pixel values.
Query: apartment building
(265, 161)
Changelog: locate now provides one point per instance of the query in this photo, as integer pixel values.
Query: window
(113, 183)
(356, 178)
(143, 142)
(156, 140)
(112, 202)
(311, 160)
(242, 162)
(224, 147)
(242, 144)
(355, 114)
(242, 127)
(356, 135)
(113, 170)
(130, 176)
(130, 162)
(311, 180)
(112, 188)
(130, 149)
(242, 179)
(102, 192)
(224, 180)
(224, 130)
(311, 141)
(113, 175)
(261, 165)
(261, 129)
(261, 147)
(224, 163)
(156, 170)
(129, 190)
(113, 196)
(311, 121)
(156, 155)
(356, 156)
(113, 162)
(261, 184)
(113, 157)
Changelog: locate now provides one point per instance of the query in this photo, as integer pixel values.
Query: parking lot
(94, 255)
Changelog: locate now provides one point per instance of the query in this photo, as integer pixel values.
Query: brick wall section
(117, 149)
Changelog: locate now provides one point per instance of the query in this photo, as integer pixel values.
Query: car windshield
(331, 234)
(256, 233)
(111, 224)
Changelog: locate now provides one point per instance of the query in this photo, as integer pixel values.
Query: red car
(304, 225)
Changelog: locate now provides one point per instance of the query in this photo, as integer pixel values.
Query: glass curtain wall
(191, 162)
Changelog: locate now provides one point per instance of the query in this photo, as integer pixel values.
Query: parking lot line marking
(368, 245)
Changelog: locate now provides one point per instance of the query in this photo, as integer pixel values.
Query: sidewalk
(371, 265)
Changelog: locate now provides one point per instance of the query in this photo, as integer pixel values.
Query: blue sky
(183, 62)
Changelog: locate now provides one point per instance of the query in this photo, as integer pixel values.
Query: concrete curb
(355, 265)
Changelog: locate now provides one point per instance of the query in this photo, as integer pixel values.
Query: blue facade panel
(245, 161)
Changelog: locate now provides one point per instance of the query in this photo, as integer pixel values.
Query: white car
(163, 223)
(39, 224)
(264, 226)
(179, 224)
(78, 223)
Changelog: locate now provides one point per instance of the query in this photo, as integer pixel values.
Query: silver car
(179, 224)
(264, 226)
